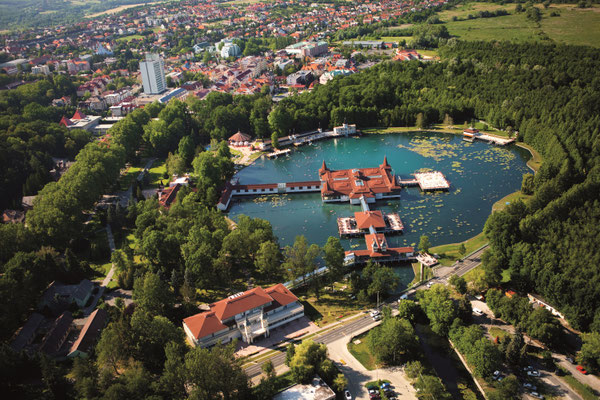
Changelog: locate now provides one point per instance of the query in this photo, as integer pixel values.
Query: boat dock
(471, 134)
(277, 153)
(426, 181)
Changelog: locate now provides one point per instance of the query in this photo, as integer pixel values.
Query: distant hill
(15, 14)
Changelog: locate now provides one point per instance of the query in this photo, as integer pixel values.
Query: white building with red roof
(246, 315)
(80, 121)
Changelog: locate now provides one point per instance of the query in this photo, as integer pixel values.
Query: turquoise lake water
(479, 174)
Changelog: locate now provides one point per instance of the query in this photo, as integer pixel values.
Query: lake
(479, 174)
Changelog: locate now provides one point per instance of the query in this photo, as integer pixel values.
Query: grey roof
(91, 331)
(83, 290)
(57, 333)
(27, 333)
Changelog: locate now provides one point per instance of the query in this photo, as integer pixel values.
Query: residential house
(89, 333)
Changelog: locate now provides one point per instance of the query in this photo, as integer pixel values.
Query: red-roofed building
(352, 184)
(245, 315)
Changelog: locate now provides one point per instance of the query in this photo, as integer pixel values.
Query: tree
(215, 374)
(439, 308)
(431, 387)
(459, 283)
(424, 244)
(152, 294)
(393, 341)
(590, 351)
(275, 140)
(307, 360)
(527, 186)
(383, 281)
(334, 258)
(268, 259)
(300, 259)
(543, 326)
(408, 310)
(340, 383)
(289, 353)
(533, 14)
(508, 388)
(512, 353)
(462, 250)
(280, 120)
(485, 358)
(420, 123)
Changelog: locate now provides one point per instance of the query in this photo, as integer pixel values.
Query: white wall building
(153, 74)
(230, 50)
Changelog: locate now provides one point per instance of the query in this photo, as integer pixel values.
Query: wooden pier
(277, 153)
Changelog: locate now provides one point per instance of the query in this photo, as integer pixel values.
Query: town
(303, 200)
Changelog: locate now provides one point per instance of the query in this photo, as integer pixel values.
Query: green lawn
(156, 173)
(397, 39)
(497, 332)
(129, 177)
(449, 252)
(331, 306)
(506, 200)
(361, 352)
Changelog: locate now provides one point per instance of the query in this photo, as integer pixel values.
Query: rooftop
(316, 390)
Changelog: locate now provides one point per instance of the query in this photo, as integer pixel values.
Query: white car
(376, 317)
(536, 395)
(347, 395)
(477, 311)
(404, 296)
(533, 372)
(374, 313)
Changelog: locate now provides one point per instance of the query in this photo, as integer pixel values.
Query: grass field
(396, 39)
(331, 306)
(515, 28)
(449, 252)
(118, 9)
(130, 38)
(573, 26)
(361, 352)
(506, 200)
(472, 8)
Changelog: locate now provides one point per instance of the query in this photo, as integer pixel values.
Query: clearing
(119, 9)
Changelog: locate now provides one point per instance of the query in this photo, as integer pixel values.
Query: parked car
(477, 311)
(571, 360)
(347, 395)
(533, 372)
(375, 312)
(536, 395)
(404, 296)
(377, 317)
(581, 369)
(529, 386)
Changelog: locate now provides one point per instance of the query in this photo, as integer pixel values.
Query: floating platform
(432, 181)
(364, 221)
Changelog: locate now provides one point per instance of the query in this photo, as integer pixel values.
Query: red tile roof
(281, 295)
(238, 303)
(365, 219)
(204, 324)
(79, 115)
